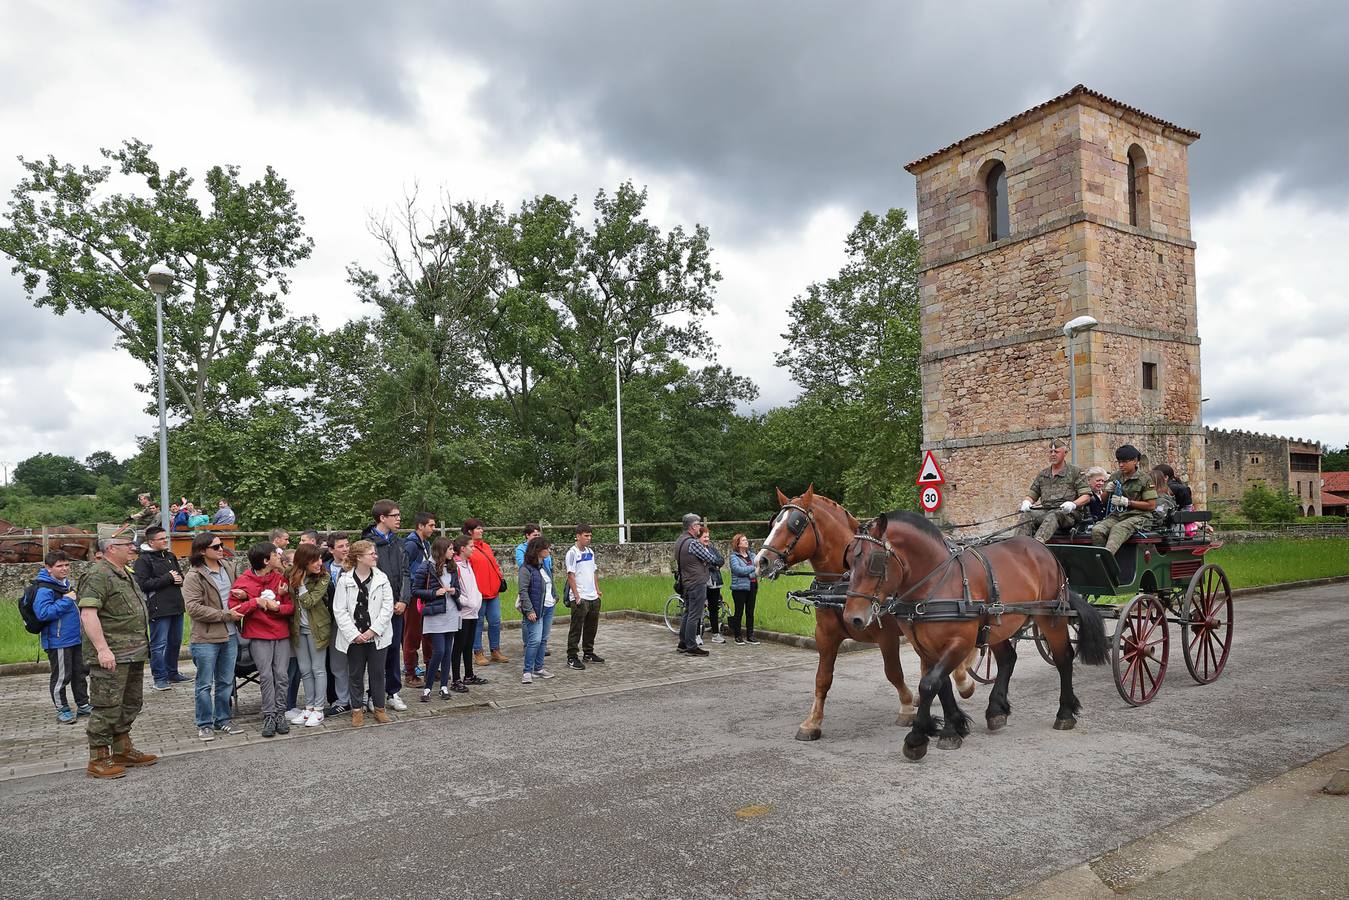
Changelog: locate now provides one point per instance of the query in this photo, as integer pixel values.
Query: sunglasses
(215, 547)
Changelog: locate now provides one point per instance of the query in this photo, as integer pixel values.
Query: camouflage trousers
(1042, 523)
(1116, 528)
(117, 698)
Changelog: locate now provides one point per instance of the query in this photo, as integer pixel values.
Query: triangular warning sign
(930, 473)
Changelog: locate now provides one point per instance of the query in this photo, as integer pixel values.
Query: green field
(1247, 565)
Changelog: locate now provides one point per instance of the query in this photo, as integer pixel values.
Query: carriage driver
(1132, 500)
(1061, 489)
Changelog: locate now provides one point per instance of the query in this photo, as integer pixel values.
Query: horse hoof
(807, 734)
(996, 722)
(949, 742)
(905, 719)
(915, 753)
(1065, 724)
(967, 691)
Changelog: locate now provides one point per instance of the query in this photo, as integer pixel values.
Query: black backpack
(31, 622)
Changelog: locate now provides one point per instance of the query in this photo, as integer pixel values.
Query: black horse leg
(915, 742)
(1066, 719)
(957, 723)
(999, 707)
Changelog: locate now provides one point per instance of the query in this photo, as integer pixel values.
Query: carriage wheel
(674, 613)
(1206, 635)
(1142, 647)
(984, 669)
(1042, 644)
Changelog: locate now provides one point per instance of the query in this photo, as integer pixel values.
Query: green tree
(80, 245)
(1261, 504)
(854, 348)
(102, 464)
(1336, 460)
(50, 475)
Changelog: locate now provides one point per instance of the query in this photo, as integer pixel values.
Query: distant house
(1236, 459)
(1335, 493)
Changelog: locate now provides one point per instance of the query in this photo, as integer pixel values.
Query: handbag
(437, 606)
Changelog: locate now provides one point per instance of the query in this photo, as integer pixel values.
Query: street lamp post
(1072, 329)
(619, 344)
(160, 277)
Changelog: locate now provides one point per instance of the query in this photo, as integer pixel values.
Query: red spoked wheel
(1042, 644)
(1206, 635)
(984, 669)
(1142, 647)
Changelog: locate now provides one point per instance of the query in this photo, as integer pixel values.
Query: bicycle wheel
(674, 613)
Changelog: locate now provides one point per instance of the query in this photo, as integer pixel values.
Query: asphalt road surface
(699, 790)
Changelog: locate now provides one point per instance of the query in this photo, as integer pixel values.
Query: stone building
(1238, 459)
(1079, 206)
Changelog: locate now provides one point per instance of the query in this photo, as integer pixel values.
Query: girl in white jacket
(363, 613)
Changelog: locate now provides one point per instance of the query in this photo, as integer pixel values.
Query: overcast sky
(775, 124)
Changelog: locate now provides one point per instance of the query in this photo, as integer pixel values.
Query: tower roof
(1080, 90)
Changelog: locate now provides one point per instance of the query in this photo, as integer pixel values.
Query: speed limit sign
(930, 498)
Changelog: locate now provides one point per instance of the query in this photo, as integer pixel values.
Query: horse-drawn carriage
(1166, 581)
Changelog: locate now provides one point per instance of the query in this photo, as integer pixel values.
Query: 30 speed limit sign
(930, 498)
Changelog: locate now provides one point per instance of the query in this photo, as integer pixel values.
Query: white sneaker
(295, 715)
(718, 639)
(526, 678)
(544, 673)
(699, 639)
(396, 702)
(314, 719)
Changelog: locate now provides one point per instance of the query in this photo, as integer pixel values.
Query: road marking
(752, 811)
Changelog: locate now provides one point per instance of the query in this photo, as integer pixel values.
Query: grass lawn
(1247, 565)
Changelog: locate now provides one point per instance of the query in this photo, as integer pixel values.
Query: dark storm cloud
(777, 108)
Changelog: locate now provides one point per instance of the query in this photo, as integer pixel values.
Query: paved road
(698, 790)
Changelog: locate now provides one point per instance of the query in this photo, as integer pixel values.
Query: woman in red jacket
(263, 596)
(487, 572)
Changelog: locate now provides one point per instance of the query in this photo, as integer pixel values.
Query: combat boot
(479, 658)
(126, 755)
(101, 764)
(381, 716)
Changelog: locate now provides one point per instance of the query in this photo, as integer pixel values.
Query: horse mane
(852, 520)
(920, 523)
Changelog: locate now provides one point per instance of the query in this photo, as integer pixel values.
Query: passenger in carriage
(1098, 501)
(1133, 498)
(1061, 491)
(1166, 501)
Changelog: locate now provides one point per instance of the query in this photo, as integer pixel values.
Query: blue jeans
(215, 673)
(442, 644)
(166, 639)
(547, 620)
(489, 618)
(532, 632)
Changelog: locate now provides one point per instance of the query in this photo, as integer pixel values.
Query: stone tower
(1079, 206)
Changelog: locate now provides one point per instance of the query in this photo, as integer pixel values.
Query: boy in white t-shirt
(584, 589)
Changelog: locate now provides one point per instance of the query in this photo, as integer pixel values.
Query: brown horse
(20, 545)
(904, 558)
(813, 527)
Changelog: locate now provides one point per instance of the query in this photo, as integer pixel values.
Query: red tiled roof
(1329, 499)
(1336, 482)
(1080, 89)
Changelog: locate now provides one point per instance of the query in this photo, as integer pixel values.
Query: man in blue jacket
(54, 604)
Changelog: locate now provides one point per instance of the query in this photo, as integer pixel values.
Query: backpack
(31, 623)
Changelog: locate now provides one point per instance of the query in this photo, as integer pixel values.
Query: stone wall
(1238, 459)
(994, 367)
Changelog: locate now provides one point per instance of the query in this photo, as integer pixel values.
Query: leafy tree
(50, 475)
(80, 245)
(102, 464)
(1261, 504)
(1336, 460)
(855, 346)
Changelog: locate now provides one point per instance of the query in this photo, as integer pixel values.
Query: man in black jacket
(161, 581)
(383, 532)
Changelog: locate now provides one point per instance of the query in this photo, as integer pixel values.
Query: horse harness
(796, 526)
(963, 609)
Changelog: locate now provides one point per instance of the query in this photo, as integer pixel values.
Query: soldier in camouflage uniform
(1132, 500)
(114, 622)
(1061, 489)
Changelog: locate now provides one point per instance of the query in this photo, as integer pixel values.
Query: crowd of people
(1112, 505)
(347, 624)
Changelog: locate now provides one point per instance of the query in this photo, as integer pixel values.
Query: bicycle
(674, 616)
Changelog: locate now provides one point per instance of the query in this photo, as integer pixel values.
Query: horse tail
(1091, 644)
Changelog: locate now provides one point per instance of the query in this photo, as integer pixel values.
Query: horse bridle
(795, 527)
(876, 565)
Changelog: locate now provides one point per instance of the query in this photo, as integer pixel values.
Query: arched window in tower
(1138, 187)
(995, 183)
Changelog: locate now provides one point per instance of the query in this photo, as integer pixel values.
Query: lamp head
(1079, 325)
(621, 341)
(160, 277)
